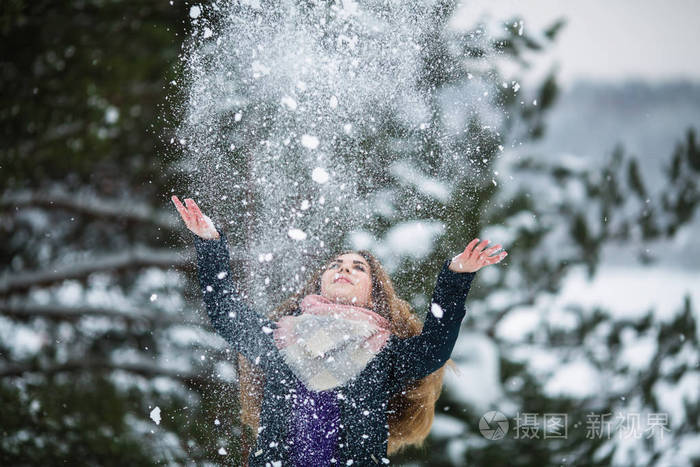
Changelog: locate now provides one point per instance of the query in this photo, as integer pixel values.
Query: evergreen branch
(138, 257)
(68, 313)
(125, 210)
(147, 370)
(500, 314)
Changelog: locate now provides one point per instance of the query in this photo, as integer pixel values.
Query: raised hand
(474, 257)
(197, 222)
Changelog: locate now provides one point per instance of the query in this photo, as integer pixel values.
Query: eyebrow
(354, 261)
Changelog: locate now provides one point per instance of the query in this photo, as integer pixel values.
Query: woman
(349, 375)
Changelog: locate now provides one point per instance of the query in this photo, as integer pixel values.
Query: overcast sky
(607, 40)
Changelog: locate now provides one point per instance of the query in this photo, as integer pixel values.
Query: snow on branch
(139, 257)
(94, 207)
(499, 315)
(68, 313)
(148, 370)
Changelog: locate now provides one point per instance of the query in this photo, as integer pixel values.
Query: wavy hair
(411, 411)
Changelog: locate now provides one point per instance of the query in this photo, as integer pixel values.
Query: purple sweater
(314, 427)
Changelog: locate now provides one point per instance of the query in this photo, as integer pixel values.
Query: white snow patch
(673, 397)
(112, 115)
(310, 142)
(361, 240)
(319, 175)
(447, 427)
(259, 69)
(291, 104)
(477, 380)
(184, 335)
(540, 361)
(456, 450)
(575, 379)
(22, 340)
(562, 319)
(518, 324)
(222, 451)
(195, 11)
(436, 310)
(637, 351)
(34, 406)
(166, 385)
(70, 293)
(630, 292)
(408, 175)
(155, 415)
(296, 234)
(226, 372)
(413, 238)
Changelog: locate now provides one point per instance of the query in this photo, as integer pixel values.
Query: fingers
(198, 215)
(492, 250)
(189, 202)
(194, 214)
(484, 256)
(497, 258)
(194, 219)
(186, 215)
(479, 248)
(470, 247)
(190, 213)
(178, 205)
(193, 206)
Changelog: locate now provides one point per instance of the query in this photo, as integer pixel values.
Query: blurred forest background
(101, 321)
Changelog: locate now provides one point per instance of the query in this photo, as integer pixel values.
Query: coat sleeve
(248, 332)
(416, 357)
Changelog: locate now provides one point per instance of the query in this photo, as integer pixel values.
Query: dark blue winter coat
(364, 399)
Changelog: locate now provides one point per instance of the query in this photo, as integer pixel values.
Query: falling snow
(309, 141)
(296, 234)
(436, 310)
(155, 415)
(319, 175)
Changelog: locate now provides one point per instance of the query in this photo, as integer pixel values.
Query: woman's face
(348, 279)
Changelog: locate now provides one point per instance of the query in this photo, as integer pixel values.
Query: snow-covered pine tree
(534, 355)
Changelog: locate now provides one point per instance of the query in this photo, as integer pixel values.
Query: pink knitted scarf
(329, 343)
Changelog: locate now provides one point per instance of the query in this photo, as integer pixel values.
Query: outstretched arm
(418, 356)
(244, 329)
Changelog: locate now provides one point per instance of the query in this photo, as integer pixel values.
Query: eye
(360, 267)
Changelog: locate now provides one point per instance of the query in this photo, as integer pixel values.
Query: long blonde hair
(410, 412)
